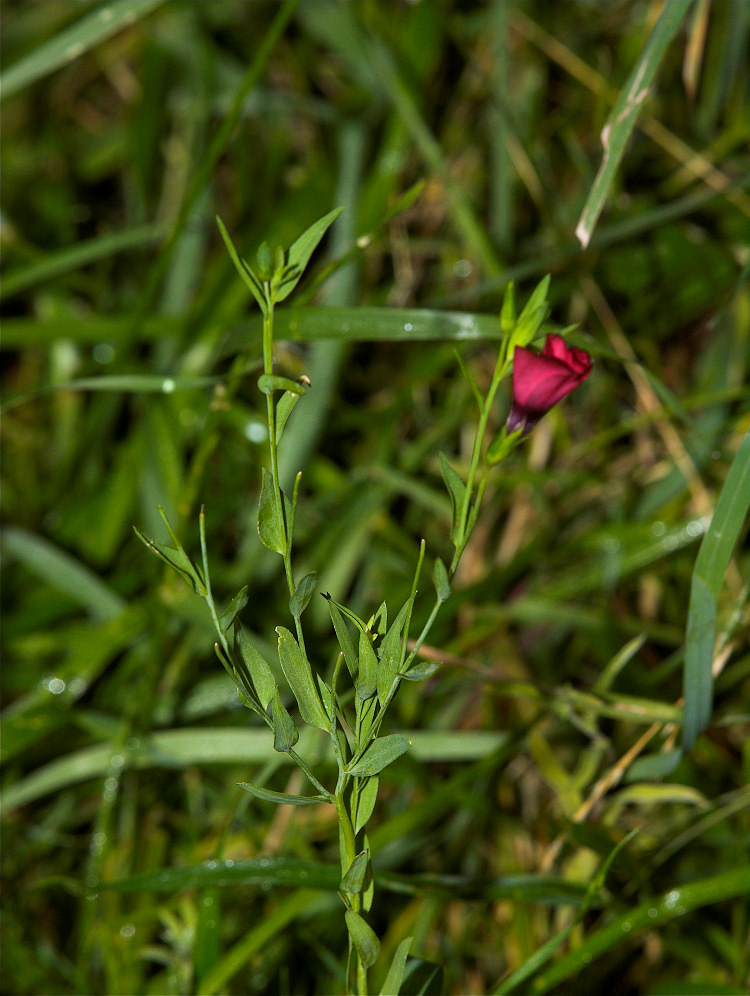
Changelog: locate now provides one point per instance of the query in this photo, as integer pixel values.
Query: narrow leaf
(364, 938)
(237, 604)
(625, 113)
(456, 490)
(281, 798)
(302, 249)
(303, 592)
(260, 673)
(271, 526)
(390, 652)
(177, 559)
(285, 734)
(368, 794)
(355, 876)
(380, 754)
(392, 983)
(247, 275)
(368, 667)
(342, 635)
(440, 580)
(326, 694)
(285, 407)
(708, 578)
(298, 673)
(422, 670)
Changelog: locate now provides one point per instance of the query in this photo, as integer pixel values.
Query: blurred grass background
(463, 140)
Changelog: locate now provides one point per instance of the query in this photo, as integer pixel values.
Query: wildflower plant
(379, 652)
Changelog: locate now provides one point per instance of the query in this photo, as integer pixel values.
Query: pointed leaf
(302, 249)
(260, 673)
(244, 270)
(285, 734)
(380, 754)
(368, 795)
(326, 695)
(237, 604)
(456, 490)
(440, 580)
(368, 667)
(422, 670)
(284, 409)
(281, 798)
(271, 526)
(392, 984)
(422, 978)
(355, 876)
(390, 652)
(302, 594)
(178, 560)
(343, 637)
(364, 938)
(298, 673)
(508, 310)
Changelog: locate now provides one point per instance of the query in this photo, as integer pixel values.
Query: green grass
(599, 587)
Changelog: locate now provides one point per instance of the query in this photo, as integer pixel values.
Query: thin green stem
(476, 452)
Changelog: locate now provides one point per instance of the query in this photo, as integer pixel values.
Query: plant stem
(273, 451)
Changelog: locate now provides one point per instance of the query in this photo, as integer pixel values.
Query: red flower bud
(541, 380)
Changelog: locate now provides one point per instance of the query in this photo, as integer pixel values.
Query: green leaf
(285, 734)
(508, 310)
(656, 910)
(302, 249)
(326, 694)
(624, 114)
(355, 876)
(264, 872)
(368, 794)
(368, 667)
(382, 752)
(298, 673)
(177, 559)
(268, 383)
(303, 592)
(260, 673)
(364, 938)
(391, 654)
(440, 580)
(422, 670)
(284, 408)
(281, 798)
(456, 490)
(65, 573)
(237, 604)
(708, 578)
(395, 976)
(271, 525)
(342, 635)
(71, 43)
(422, 978)
(244, 270)
(532, 316)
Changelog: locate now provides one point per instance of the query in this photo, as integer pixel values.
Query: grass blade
(96, 27)
(708, 577)
(672, 904)
(63, 572)
(624, 115)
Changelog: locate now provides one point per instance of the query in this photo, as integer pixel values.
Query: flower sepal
(503, 443)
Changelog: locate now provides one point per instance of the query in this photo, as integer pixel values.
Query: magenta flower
(541, 380)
